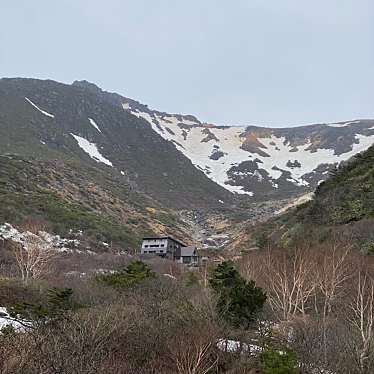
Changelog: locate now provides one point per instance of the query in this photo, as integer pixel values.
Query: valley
(81, 158)
(186, 187)
(281, 220)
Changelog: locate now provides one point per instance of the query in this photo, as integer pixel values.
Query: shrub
(368, 247)
(238, 301)
(58, 302)
(262, 240)
(135, 272)
(278, 362)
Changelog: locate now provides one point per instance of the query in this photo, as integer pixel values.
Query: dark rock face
(293, 164)
(209, 136)
(216, 155)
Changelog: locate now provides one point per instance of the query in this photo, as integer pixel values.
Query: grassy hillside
(347, 196)
(68, 197)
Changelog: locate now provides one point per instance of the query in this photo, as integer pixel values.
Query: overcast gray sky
(266, 62)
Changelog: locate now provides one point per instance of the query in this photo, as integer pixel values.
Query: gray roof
(188, 251)
(165, 237)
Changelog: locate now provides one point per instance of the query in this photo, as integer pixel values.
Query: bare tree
(333, 271)
(33, 255)
(361, 318)
(193, 353)
(290, 282)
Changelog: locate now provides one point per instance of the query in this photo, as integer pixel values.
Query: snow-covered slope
(251, 160)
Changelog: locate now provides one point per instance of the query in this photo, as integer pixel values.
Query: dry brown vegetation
(321, 300)
(320, 305)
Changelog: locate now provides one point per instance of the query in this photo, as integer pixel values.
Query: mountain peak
(89, 86)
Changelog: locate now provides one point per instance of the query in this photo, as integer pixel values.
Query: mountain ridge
(219, 163)
(136, 153)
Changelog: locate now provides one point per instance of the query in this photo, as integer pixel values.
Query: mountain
(261, 162)
(48, 120)
(346, 196)
(81, 158)
(341, 208)
(174, 158)
(75, 161)
(79, 202)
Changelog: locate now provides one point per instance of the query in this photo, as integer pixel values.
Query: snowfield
(91, 150)
(55, 242)
(215, 150)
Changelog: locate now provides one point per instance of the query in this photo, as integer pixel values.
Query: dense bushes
(348, 195)
(154, 326)
(135, 321)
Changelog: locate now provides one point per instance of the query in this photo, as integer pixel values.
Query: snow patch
(8, 232)
(6, 320)
(342, 124)
(169, 276)
(93, 123)
(235, 346)
(91, 150)
(40, 110)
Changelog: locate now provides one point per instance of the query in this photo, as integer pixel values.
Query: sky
(272, 63)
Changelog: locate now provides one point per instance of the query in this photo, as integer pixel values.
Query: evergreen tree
(135, 272)
(138, 270)
(238, 301)
(58, 302)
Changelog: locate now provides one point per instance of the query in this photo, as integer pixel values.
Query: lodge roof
(165, 237)
(186, 251)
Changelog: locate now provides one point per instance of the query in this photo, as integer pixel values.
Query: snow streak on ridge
(40, 110)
